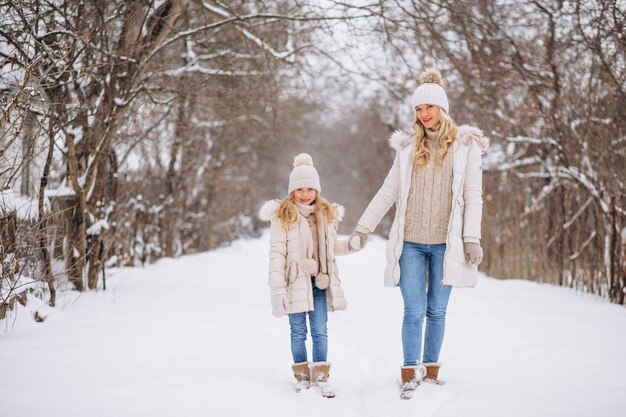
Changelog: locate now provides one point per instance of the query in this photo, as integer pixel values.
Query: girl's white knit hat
(304, 174)
(430, 90)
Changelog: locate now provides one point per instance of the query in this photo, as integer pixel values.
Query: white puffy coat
(465, 218)
(286, 253)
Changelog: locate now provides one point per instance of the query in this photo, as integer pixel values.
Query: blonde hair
(445, 137)
(288, 212)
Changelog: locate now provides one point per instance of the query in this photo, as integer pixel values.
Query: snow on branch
(545, 192)
(572, 173)
(583, 246)
(534, 141)
(553, 169)
(22, 91)
(196, 68)
(519, 163)
(578, 213)
(284, 55)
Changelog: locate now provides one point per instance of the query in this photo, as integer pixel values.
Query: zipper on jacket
(454, 206)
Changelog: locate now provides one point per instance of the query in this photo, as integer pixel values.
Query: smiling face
(305, 196)
(428, 115)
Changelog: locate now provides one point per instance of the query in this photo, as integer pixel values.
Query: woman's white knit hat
(430, 90)
(304, 174)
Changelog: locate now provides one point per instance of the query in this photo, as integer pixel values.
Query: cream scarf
(322, 279)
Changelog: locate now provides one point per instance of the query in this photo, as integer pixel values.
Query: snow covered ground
(194, 336)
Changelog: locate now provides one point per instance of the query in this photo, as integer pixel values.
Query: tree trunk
(615, 263)
(42, 232)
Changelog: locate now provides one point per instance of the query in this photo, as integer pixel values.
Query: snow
(195, 336)
(62, 191)
(23, 283)
(97, 227)
(26, 208)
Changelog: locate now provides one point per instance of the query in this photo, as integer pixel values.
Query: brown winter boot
(320, 371)
(302, 375)
(411, 377)
(432, 373)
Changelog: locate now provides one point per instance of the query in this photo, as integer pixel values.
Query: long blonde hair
(288, 212)
(445, 137)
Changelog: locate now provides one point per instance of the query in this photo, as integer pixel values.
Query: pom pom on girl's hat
(304, 174)
(430, 90)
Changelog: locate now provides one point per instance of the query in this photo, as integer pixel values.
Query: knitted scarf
(322, 279)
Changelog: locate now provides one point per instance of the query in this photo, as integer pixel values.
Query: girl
(434, 242)
(303, 272)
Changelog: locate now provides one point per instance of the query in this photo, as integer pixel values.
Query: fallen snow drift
(194, 336)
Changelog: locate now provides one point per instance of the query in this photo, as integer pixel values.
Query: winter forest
(132, 131)
(139, 132)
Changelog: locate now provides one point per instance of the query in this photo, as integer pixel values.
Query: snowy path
(195, 337)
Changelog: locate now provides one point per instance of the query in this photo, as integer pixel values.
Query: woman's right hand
(279, 302)
(358, 239)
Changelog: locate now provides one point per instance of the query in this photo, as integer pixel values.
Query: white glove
(279, 302)
(473, 252)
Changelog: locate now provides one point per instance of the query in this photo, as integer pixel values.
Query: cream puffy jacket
(465, 218)
(286, 269)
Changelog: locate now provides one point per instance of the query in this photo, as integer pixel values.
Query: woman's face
(305, 196)
(428, 115)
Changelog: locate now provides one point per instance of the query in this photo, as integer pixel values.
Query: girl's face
(305, 196)
(428, 114)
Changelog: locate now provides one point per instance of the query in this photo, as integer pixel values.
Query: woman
(434, 242)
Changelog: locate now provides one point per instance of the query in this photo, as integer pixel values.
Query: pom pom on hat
(430, 90)
(304, 174)
(302, 159)
(431, 76)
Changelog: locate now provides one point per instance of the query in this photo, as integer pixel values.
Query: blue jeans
(421, 272)
(319, 332)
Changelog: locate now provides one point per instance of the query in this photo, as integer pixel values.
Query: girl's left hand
(358, 240)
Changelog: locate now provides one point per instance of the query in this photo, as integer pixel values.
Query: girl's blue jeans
(319, 332)
(421, 272)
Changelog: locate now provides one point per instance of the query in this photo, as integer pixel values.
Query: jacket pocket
(336, 269)
(292, 272)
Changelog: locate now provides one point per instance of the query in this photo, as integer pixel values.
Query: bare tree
(213, 71)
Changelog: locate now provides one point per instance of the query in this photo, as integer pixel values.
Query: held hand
(358, 240)
(279, 302)
(473, 252)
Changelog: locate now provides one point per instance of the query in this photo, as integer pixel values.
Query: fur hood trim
(467, 134)
(339, 211)
(400, 140)
(268, 210)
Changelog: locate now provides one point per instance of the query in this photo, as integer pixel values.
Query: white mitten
(279, 301)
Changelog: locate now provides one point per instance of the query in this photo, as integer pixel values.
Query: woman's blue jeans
(319, 332)
(421, 272)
